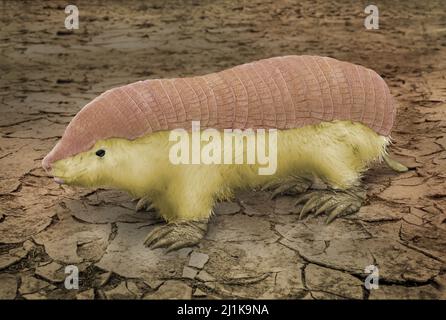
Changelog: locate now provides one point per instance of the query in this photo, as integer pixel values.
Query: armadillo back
(283, 93)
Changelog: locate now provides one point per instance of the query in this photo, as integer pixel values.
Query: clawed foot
(177, 235)
(333, 203)
(144, 204)
(289, 187)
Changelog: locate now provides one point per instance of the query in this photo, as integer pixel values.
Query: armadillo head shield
(115, 113)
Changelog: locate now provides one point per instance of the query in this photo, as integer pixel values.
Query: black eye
(100, 153)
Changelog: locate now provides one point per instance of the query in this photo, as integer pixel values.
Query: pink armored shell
(282, 92)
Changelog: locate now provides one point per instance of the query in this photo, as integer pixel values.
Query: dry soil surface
(256, 247)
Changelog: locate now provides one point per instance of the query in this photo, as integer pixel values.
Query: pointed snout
(46, 165)
(58, 180)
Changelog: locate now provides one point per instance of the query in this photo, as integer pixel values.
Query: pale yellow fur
(336, 152)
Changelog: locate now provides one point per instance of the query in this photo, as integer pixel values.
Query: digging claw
(337, 211)
(310, 205)
(317, 202)
(291, 187)
(176, 235)
(303, 198)
(334, 204)
(144, 204)
(282, 189)
(326, 207)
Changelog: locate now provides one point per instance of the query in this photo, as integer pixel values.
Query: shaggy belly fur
(335, 152)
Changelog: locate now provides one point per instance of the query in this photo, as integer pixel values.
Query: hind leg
(333, 200)
(342, 197)
(334, 203)
(337, 153)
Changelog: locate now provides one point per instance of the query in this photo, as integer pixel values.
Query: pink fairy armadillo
(333, 119)
(283, 93)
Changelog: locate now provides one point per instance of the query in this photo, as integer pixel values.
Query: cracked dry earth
(256, 247)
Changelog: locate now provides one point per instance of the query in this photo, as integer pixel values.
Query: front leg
(177, 235)
(187, 205)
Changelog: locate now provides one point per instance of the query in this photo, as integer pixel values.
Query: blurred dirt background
(256, 248)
